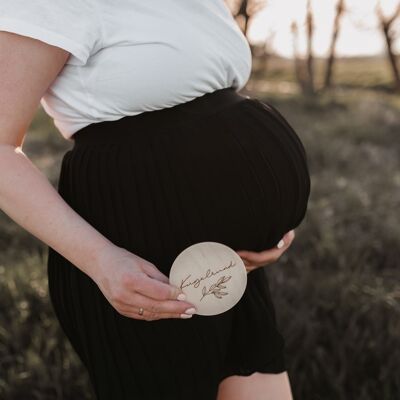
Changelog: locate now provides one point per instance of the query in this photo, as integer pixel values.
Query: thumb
(152, 271)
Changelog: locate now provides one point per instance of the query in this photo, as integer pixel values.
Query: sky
(359, 34)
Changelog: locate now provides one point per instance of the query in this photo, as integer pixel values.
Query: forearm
(27, 197)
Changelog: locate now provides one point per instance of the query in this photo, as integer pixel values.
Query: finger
(138, 300)
(252, 263)
(133, 315)
(267, 255)
(290, 235)
(262, 256)
(154, 272)
(286, 240)
(156, 289)
(147, 316)
(246, 262)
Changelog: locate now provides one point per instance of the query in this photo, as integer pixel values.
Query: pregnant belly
(238, 176)
(245, 169)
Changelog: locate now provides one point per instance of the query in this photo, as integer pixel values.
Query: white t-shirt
(131, 56)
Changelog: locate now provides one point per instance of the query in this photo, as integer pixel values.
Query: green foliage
(335, 290)
(36, 360)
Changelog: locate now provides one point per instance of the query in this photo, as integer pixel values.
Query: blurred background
(331, 67)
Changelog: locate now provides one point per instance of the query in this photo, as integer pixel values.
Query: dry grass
(336, 290)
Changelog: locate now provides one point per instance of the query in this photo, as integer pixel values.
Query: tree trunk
(310, 56)
(340, 7)
(386, 24)
(298, 65)
(247, 9)
(392, 57)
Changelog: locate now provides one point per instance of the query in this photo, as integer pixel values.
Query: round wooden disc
(211, 274)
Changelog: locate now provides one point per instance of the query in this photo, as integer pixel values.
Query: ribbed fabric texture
(235, 174)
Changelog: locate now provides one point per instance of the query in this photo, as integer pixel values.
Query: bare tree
(386, 24)
(340, 9)
(304, 69)
(310, 56)
(298, 65)
(246, 10)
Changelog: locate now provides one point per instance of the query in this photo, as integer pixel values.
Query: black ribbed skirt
(223, 167)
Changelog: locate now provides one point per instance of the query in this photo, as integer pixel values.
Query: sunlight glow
(359, 34)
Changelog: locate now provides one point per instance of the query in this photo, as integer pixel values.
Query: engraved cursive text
(196, 282)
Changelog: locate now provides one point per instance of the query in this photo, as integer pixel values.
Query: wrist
(95, 259)
(105, 255)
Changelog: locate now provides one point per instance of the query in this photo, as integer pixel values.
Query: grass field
(336, 290)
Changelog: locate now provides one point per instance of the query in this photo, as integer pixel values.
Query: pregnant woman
(165, 153)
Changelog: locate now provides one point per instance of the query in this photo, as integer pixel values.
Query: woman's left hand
(253, 260)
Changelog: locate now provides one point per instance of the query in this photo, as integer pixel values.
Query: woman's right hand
(26, 195)
(129, 282)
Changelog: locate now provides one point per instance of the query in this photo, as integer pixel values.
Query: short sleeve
(72, 25)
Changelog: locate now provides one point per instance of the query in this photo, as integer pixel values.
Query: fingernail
(190, 310)
(186, 316)
(181, 296)
(280, 244)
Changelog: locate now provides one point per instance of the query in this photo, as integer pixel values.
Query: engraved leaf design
(220, 280)
(216, 288)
